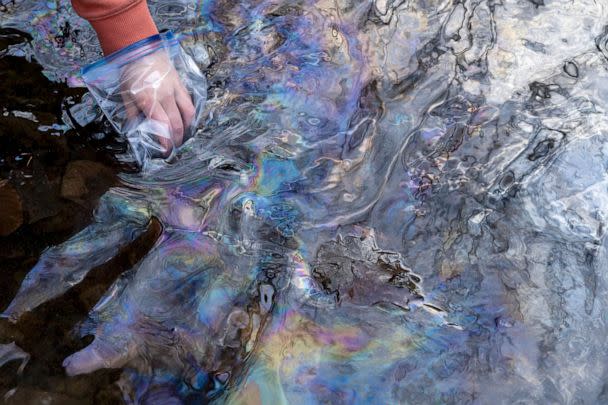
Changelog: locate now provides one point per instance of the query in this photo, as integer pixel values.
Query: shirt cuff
(124, 28)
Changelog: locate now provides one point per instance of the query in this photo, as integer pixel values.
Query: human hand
(151, 86)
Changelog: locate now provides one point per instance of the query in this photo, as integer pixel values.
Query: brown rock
(30, 395)
(39, 196)
(85, 180)
(11, 209)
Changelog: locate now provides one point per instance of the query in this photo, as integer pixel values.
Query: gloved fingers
(149, 74)
(184, 103)
(148, 103)
(175, 120)
(130, 107)
(105, 352)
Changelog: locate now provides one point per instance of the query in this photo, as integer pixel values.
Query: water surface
(388, 202)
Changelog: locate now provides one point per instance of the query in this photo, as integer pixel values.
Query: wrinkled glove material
(152, 92)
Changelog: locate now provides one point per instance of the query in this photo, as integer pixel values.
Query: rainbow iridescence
(389, 202)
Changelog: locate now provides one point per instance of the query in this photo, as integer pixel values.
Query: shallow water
(389, 202)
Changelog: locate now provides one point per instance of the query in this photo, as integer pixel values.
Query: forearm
(118, 23)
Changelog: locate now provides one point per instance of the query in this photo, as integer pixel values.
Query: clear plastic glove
(153, 87)
(152, 92)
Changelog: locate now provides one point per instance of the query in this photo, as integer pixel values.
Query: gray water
(388, 202)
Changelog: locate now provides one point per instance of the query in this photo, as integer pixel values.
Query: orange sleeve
(118, 23)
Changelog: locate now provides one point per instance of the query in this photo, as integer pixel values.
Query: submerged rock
(11, 209)
(355, 269)
(83, 179)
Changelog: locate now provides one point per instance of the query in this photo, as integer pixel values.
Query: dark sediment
(50, 181)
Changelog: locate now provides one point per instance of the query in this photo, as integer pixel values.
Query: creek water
(387, 202)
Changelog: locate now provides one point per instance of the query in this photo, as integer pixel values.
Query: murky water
(389, 202)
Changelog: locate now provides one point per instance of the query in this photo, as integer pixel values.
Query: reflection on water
(390, 201)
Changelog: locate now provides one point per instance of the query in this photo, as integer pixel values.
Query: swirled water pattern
(390, 201)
